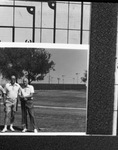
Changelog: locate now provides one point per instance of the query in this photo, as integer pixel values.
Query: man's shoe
(35, 131)
(24, 130)
(4, 130)
(12, 129)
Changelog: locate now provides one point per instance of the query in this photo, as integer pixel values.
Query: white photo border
(50, 46)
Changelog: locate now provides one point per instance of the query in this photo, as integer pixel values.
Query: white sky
(67, 63)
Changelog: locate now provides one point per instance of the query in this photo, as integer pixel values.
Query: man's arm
(31, 93)
(18, 98)
(21, 95)
(4, 98)
(4, 94)
(29, 96)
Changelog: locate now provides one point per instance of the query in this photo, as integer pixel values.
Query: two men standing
(12, 93)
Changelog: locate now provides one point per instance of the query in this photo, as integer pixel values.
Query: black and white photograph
(59, 80)
(58, 76)
(59, 73)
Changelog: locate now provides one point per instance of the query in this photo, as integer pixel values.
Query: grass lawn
(55, 116)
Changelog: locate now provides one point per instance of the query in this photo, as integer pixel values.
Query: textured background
(101, 92)
(102, 68)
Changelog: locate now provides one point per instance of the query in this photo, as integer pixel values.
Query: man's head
(13, 79)
(25, 81)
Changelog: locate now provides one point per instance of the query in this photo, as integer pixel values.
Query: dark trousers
(27, 107)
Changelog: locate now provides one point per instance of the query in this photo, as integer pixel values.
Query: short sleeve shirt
(12, 91)
(26, 91)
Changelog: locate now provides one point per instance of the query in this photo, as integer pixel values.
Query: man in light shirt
(12, 90)
(27, 105)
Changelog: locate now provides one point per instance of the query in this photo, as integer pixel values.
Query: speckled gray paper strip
(102, 68)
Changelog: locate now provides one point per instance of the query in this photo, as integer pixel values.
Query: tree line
(34, 63)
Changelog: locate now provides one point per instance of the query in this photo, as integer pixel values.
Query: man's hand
(4, 100)
(25, 98)
(4, 103)
(22, 98)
